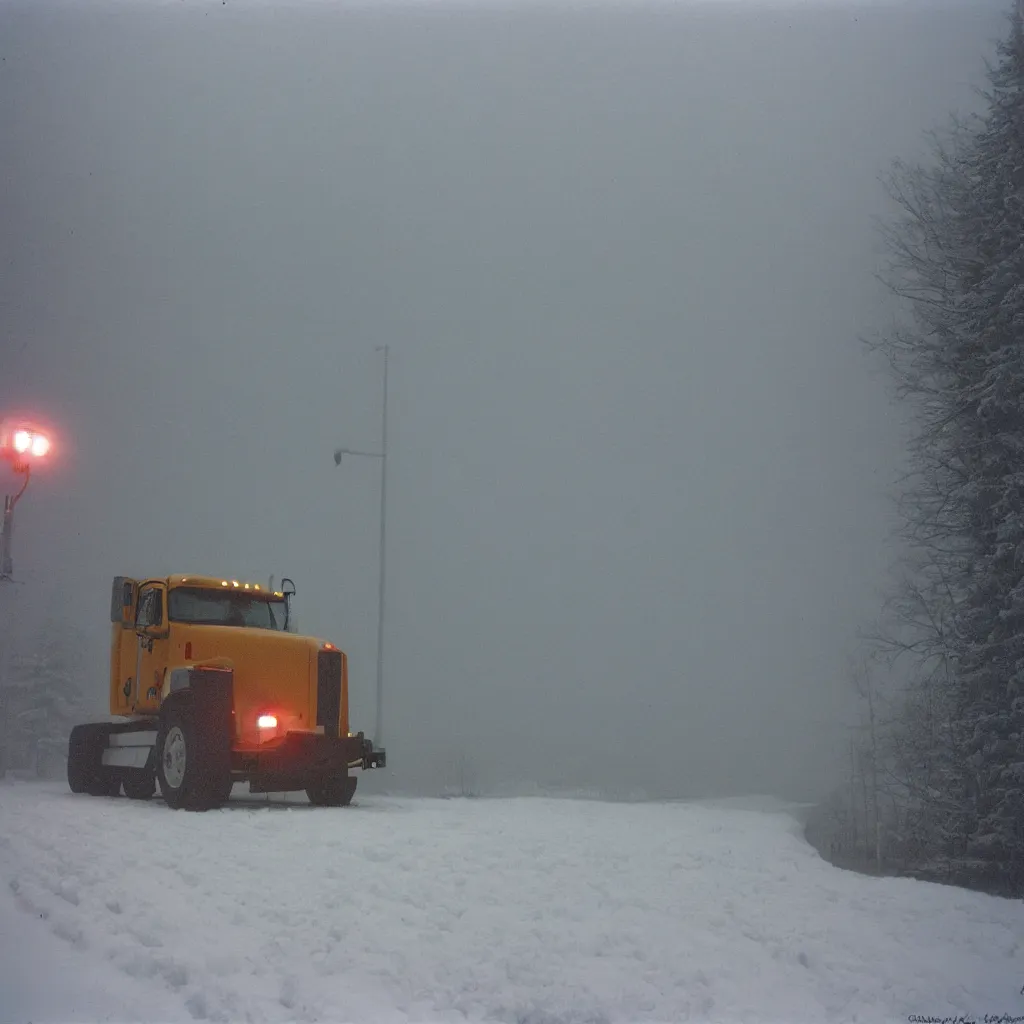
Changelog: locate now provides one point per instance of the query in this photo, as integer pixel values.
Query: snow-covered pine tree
(959, 259)
(43, 700)
(990, 637)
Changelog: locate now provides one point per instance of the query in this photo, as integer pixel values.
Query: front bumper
(302, 759)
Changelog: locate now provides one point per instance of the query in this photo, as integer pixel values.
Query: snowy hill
(443, 910)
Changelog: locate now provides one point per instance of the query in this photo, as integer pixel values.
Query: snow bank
(452, 910)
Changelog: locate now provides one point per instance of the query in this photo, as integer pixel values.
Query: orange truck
(210, 686)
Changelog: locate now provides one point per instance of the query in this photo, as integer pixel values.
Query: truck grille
(328, 691)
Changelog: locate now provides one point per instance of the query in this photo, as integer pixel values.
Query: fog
(622, 256)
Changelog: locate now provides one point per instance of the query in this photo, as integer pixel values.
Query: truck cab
(213, 687)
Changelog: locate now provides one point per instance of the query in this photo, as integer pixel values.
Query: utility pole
(382, 549)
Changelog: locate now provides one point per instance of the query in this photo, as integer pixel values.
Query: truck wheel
(333, 791)
(105, 784)
(80, 764)
(86, 773)
(219, 791)
(139, 784)
(187, 774)
(177, 758)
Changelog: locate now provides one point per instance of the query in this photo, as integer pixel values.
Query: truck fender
(209, 694)
(179, 677)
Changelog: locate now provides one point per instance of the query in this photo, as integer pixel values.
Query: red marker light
(40, 445)
(22, 441)
(266, 722)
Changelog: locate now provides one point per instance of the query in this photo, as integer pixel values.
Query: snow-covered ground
(540, 910)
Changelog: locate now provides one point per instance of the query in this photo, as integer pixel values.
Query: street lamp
(339, 453)
(21, 444)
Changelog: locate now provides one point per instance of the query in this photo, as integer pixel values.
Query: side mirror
(288, 589)
(151, 618)
(122, 601)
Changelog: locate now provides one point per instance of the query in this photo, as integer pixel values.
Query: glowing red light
(266, 722)
(25, 440)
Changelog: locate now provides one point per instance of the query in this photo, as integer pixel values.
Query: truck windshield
(217, 608)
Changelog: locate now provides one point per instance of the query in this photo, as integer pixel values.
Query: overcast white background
(622, 256)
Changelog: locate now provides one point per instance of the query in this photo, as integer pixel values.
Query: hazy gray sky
(622, 257)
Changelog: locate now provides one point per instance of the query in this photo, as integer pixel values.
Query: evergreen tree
(990, 641)
(42, 697)
(959, 259)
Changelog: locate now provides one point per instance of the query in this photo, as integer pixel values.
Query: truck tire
(80, 767)
(219, 791)
(139, 783)
(86, 773)
(105, 784)
(191, 777)
(333, 791)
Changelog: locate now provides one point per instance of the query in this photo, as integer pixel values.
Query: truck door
(123, 644)
(152, 630)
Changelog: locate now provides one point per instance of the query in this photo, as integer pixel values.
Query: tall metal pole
(6, 539)
(339, 454)
(7, 526)
(379, 739)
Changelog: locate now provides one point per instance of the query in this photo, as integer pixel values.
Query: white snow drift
(501, 910)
